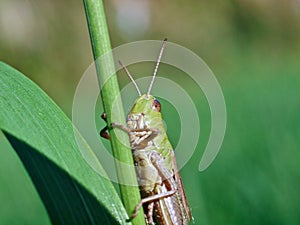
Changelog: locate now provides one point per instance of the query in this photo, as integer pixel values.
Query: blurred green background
(253, 47)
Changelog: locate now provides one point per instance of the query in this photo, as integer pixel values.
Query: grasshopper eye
(156, 105)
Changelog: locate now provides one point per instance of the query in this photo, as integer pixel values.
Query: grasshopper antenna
(157, 64)
(131, 78)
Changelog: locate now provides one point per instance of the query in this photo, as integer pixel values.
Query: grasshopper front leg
(139, 138)
(105, 134)
(144, 133)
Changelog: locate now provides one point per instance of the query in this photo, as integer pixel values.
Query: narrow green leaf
(43, 137)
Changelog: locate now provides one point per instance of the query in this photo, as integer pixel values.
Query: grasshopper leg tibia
(151, 199)
(121, 127)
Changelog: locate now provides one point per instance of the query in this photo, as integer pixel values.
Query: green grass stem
(110, 91)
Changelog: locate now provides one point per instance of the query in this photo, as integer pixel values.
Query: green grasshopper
(163, 196)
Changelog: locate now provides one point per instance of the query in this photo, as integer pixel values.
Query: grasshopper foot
(103, 132)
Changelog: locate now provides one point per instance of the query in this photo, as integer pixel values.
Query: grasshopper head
(147, 105)
(145, 113)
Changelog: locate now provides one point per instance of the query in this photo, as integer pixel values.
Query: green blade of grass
(43, 137)
(110, 91)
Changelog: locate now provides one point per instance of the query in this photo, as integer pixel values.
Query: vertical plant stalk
(110, 91)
